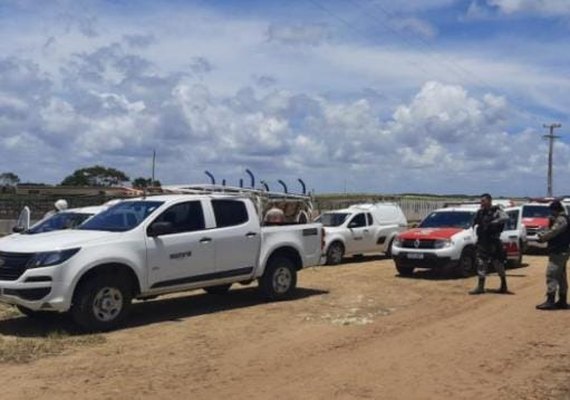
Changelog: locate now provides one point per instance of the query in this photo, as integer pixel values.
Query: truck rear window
(229, 212)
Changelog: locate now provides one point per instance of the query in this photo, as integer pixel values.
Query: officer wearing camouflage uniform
(490, 221)
(558, 238)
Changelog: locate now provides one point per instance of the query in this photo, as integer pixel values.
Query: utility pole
(551, 137)
(153, 163)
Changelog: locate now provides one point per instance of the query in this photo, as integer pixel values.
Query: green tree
(96, 176)
(9, 179)
(141, 183)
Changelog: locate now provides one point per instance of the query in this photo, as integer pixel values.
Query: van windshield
(333, 219)
(449, 219)
(122, 217)
(536, 212)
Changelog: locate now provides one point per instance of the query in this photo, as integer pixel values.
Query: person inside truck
(274, 216)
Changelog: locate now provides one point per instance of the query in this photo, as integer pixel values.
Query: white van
(361, 228)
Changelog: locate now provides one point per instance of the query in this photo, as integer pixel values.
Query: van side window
(229, 212)
(369, 218)
(358, 221)
(184, 217)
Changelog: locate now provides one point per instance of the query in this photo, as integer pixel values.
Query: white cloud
(415, 26)
(544, 7)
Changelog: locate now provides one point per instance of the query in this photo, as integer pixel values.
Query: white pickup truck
(142, 248)
(361, 228)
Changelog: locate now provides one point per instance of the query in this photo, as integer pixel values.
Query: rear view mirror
(160, 228)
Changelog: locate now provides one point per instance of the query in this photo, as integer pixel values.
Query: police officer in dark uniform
(558, 238)
(490, 221)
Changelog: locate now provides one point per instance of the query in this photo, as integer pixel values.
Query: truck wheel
(335, 253)
(466, 264)
(219, 289)
(404, 270)
(101, 303)
(279, 279)
(39, 315)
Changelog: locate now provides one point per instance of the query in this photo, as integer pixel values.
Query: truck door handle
(251, 234)
(205, 240)
(366, 230)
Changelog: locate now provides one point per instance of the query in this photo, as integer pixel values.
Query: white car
(66, 219)
(359, 229)
(146, 247)
(446, 241)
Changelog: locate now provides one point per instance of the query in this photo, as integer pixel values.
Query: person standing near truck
(558, 238)
(489, 221)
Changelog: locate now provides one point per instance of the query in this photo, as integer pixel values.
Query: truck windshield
(448, 219)
(59, 221)
(333, 219)
(536, 212)
(122, 217)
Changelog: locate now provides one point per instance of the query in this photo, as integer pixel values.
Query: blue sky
(440, 96)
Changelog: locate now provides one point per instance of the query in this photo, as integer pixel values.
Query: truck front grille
(13, 265)
(418, 243)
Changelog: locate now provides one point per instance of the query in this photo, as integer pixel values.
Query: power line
(551, 138)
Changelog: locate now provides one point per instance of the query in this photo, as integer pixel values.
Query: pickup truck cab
(146, 247)
(445, 240)
(362, 228)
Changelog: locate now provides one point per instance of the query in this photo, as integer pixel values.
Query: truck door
(360, 233)
(237, 237)
(184, 255)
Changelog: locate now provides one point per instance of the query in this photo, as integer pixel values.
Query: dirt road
(356, 331)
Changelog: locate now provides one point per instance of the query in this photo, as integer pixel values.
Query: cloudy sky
(440, 96)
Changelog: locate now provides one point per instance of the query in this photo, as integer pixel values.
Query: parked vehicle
(362, 228)
(514, 236)
(445, 240)
(535, 219)
(146, 247)
(67, 219)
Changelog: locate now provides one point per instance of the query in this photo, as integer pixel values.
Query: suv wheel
(466, 265)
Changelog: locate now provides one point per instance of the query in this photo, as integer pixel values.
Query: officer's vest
(493, 231)
(560, 243)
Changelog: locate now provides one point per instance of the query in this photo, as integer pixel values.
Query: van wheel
(279, 279)
(388, 251)
(100, 304)
(466, 264)
(335, 253)
(219, 289)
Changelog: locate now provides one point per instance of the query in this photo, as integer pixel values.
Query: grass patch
(47, 338)
(25, 350)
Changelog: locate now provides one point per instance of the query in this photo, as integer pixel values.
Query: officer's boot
(503, 288)
(562, 302)
(549, 304)
(480, 288)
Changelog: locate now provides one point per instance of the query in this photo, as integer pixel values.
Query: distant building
(63, 191)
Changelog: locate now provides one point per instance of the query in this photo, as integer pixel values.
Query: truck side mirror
(160, 228)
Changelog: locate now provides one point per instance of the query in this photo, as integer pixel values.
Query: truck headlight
(442, 243)
(48, 258)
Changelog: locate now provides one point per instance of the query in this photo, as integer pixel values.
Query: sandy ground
(355, 331)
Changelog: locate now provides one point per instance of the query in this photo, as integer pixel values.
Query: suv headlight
(48, 258)
(442, 243)
(397, 242)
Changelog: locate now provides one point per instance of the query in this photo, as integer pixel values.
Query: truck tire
(279, 279)
(404, 270)
(335, 252)
(101, 303)
(466, 264)
(39, 315)
(218, 289)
